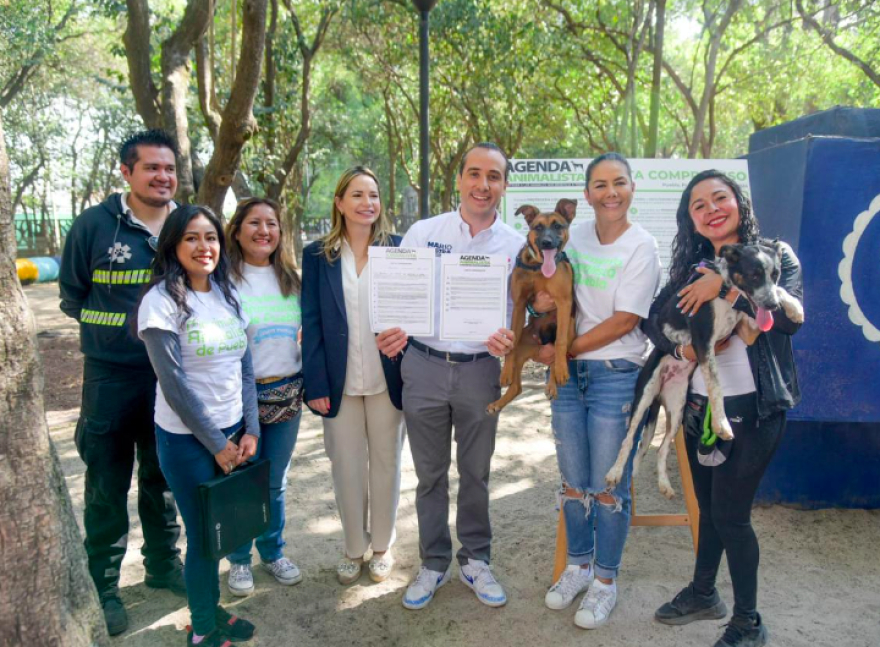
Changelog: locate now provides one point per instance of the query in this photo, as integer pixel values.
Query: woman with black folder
(192, 324)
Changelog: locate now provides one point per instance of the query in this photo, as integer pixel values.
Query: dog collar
(560, 258)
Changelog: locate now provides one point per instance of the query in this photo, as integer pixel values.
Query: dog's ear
(567, 208)
(730, 253)
(529, 212)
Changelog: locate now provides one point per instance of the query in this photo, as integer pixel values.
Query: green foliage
(542, 78)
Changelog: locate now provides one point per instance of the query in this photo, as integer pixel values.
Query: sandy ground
(820, 574)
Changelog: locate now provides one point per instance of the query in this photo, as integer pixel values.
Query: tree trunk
(238, 120)
(46, 595)
(654, 124)
(137, 52)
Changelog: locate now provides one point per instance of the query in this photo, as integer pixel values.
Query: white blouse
(363, 373)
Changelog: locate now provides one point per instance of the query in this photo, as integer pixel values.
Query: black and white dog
(753, 270)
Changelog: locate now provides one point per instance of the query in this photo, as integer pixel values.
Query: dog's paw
(560, 374)
(793, 310)
(666, 489)
(612, 478)
(722, 428)
(494, 408)
(550, 390)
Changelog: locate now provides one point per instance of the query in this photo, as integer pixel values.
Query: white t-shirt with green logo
(620, 277)
(274, 323)
(212, 343)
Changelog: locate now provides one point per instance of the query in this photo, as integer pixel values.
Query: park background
(276, 97)
(299, 90)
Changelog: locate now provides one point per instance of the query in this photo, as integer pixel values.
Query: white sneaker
(284, 571)
(570, 584)
(421, 590)
(479, 578)
(241, 580)
(597, 605)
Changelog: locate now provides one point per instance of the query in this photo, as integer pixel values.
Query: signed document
(402, 289)
(473, 296)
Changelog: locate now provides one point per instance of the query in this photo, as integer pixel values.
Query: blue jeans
(590, 419)
(186, 463)
(276, 443)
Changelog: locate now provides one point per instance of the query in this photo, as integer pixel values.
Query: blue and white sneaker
(421, 589)
(479, 578)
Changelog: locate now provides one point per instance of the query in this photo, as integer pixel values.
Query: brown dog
(541, 266)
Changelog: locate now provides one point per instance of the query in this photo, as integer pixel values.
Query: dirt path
(820, 575)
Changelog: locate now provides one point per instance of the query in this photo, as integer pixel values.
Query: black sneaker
(213, 639)
(744, 632)
(173, 581)
(114, 615)
(232, 627)
(688, 606)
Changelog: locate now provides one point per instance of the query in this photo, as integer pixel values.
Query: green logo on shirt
(593, 271)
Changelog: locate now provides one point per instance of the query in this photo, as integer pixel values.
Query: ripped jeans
(590, 419)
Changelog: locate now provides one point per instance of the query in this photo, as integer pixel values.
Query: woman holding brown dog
(759, 384)
(617, 269)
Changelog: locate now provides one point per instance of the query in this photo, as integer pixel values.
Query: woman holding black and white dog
(760, 386)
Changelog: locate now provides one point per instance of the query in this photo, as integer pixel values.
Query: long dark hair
(282, 258)
(168, 271)
(689, 247)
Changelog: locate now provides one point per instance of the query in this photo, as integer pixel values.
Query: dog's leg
(647, 437)
(652, 388)
(791, 306)
(517, 358)
(518, 325)
(747, 329)
(563, 340)
(674, 412)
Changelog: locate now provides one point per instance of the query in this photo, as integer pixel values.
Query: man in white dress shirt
(448, 385)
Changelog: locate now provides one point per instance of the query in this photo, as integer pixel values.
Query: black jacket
(770, 357)
(105, 264)
(325, 333)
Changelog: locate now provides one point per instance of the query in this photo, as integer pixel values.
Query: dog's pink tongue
(548, 267)
(764, 319)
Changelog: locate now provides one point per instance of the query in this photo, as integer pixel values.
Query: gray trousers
(437, 397)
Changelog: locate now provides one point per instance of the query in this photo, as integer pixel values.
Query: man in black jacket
(106, 262)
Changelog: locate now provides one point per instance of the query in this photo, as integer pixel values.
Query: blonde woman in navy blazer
(348, 381)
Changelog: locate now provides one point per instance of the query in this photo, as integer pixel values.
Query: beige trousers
(364, 442)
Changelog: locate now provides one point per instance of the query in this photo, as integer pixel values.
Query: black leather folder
(234, 508)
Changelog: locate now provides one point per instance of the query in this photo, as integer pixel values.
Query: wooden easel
(692, 518)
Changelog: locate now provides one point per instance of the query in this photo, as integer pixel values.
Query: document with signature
(473, 296)
(402, 289)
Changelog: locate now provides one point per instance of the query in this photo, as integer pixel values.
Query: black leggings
(725, 494)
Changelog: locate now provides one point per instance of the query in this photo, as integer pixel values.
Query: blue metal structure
(822, 195)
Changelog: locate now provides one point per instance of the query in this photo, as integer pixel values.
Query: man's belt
(456, 358)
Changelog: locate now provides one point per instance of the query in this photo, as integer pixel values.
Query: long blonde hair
(380, 229)
(282, 258)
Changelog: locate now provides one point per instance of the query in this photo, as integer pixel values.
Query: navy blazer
(325, 333)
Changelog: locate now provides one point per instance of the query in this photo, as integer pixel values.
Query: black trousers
(725, 494)
(115, 427)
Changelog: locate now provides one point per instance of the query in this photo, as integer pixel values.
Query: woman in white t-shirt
(263, 269)
(617, 269)
(192, 324)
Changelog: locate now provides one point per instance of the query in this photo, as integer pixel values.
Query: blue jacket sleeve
(315, 382)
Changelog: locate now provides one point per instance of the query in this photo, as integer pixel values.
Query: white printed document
(473, 296)
(402, 289)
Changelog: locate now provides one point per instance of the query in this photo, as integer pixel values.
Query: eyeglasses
(153, 242)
